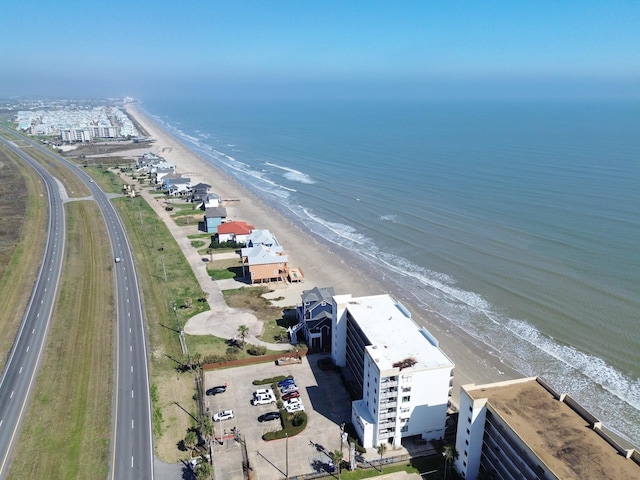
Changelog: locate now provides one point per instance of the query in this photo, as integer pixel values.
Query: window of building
(470, 408)
(404, 410)
(469, 419)
(464, 463)
(408, 399)
(466, 442)
(406, 389)
(468, 432)
(466, 454)
(406, 378)
(405, 428)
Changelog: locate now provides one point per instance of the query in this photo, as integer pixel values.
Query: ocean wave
(293, 175)
(393, 218)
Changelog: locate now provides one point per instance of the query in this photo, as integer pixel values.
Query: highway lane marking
(27, 348)
(131, 393)
(20, 371)
(132, 424)
(1, 422)
(33, 331)
(131, 461)
(131, 368)
(11, 396)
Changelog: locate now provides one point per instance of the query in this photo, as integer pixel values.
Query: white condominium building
(404, 377)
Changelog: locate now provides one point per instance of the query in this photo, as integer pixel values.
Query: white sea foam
(389, 218)
(293, 175)
(608, 393)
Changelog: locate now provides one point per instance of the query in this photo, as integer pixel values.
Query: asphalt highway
(132, 437)
(22, 366)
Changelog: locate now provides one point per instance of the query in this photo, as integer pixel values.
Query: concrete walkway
(221, 321)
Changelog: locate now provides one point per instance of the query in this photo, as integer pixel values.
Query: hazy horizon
(322, 50)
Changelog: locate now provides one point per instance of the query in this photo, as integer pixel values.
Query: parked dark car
(286, 381)
(290, 395)
(217, 390)
(265, 417)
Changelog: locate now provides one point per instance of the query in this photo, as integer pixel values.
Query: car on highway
(289, 388)
(223, 415)
(296, 407)
(286, 381)
(118, 259)
(267, 417)
(290, 395)
(217, 390)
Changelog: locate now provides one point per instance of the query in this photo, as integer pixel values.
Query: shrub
(257, 350)
(271, 380)
(288, 420)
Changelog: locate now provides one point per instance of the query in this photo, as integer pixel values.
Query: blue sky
(324, 48)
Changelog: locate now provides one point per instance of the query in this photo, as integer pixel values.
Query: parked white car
(223, 415)
(263, 399)
(293, 401)
(295, 407)
(263, 391)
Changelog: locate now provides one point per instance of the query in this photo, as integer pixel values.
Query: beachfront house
(158, 174)
(524, 429)
(262, 237)
(148, 160)
(177, 184)
(199, 191)
(234, 231)
(405, 379)
(314, 319)
(264, 264)
(210, 201)
(214, 217)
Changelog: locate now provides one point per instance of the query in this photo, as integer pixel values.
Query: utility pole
(287, 455)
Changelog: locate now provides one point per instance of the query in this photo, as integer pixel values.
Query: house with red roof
(234, 231)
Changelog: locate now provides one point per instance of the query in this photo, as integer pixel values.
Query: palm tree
(381, 449)
(337, 461)
(206, 428)
(243, 330)
(190, 440)
(449, 453)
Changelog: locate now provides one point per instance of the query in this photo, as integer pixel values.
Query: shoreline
(324, 264)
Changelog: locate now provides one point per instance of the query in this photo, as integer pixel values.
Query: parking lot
(327, 405)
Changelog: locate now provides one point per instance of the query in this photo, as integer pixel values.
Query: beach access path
(221, 320)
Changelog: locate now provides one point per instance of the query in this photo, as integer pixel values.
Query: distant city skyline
(325, 49)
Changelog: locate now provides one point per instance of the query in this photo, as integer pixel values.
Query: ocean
(517, 222)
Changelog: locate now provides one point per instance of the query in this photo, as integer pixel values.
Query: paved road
(132, 438)
(24, 360)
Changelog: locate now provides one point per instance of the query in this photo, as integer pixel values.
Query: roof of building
(395, 338)
(559, 436)
(215, 212)
(262, 255)
(262, 236)
(235, 227)
(318, 294)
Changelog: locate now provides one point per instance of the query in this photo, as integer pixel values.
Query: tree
(381, 449)
(449, 453)
(203, 469)
(206, 428)
(188, 302)
(337, 461)
(190, 440)
(204, 295)
(210, 252)
(243, 330)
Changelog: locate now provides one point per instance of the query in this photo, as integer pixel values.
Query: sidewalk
(221, 321)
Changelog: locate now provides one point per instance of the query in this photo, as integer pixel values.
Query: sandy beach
(322, 264)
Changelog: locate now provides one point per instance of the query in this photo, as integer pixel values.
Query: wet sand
(323, 265)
